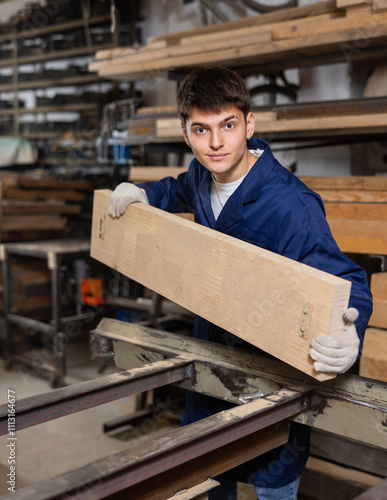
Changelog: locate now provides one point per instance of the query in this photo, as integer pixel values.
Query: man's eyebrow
(205, 125)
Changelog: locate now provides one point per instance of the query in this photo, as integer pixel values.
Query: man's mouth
(217, 157)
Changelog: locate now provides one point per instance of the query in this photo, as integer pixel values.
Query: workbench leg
(58, 337)
(8, 344)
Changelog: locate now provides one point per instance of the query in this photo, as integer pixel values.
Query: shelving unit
(19, 40)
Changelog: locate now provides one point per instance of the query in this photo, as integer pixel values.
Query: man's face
(218, 141)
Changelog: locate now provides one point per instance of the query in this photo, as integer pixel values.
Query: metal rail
(74, 398)
(183, 458)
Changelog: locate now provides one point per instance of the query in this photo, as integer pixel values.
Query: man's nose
(216, 140)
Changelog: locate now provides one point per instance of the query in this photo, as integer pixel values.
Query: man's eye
(200, 130)
(229, 126)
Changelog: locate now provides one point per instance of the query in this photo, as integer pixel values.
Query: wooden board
(373, 363)
(363, 182)
(14, 192)
(257, 295)
(379, 286)
(360, 236)
(379, 314)
(362, 211)
(151, 174)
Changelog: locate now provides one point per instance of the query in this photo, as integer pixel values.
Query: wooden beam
(361, 182)
(360, 236)
(379, 285)
(266, 299)
(362, 211)
(373, 363)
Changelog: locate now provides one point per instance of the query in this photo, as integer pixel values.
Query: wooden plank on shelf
(343, 4)
(262, 28)
(30, 182)
(379, 5)
(16, 236)
(29, 207)
(360, 236)
(258, 296)
(33, 222)
(31, 194)
(379, 285)
(267, 122)
(326, 122)
(297, 29)
(150, 110)
(171, 53)
(364, 211)
(373, 362)
(363, 182)
(304, 11)
(352, 195)
(152, 174)
(379, 314)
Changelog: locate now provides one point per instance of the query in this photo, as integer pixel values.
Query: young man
(235, 186)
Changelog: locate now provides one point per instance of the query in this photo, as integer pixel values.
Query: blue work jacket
(274, 210)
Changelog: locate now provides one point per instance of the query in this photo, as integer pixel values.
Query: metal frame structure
(268, 393)
(54, 251)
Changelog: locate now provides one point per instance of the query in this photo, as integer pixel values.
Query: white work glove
(337, 353)
(125, 194)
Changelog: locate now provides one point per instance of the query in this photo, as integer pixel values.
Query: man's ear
(185, 134)
(250, 125)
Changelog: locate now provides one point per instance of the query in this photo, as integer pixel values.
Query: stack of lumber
(330, 118)
(320, 33)
(356, 208)
(373, 363)
(34, 208)
(31, 284)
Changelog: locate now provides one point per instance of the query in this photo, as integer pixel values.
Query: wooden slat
(351, 195)
(363, 182)
(360, 236)
(379, 5)
(343, 4)
(171, 127)
(151, 174)
(379, 285)
(33, 222)
(379, 314)
(255, 294)
(364, 211)
(272, 17)
(30, 182)
(175, 52)
(373, 362)
(28, 207)
(31, 194)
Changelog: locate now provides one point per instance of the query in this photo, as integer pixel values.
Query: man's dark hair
(212, 89)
